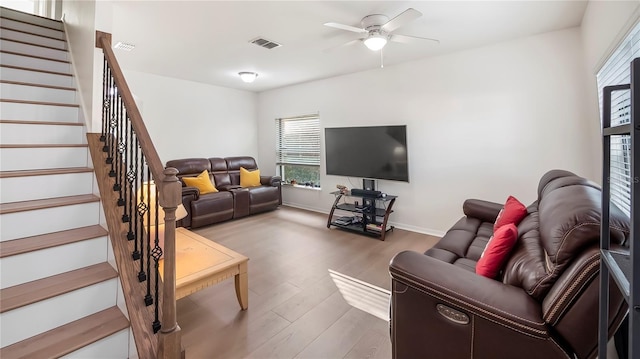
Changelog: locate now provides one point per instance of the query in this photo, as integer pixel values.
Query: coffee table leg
(242, 286)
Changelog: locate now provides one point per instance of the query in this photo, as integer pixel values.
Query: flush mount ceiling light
(248, 77)
(376, 41)
(124, 46)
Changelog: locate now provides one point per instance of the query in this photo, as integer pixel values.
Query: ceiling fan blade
(405, 39)
(344, 27)
(345, 44)
(404, 18)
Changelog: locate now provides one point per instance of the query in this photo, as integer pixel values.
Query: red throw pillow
(512, 212)
(497, 250)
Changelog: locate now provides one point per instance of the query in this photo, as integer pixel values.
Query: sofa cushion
(497, 249)
(234, 164)
(190, 166)
(212, 208)
(512, 212)
(219, 172)
(263, 198)
(249, 178)
(463, 244)
(202, 182)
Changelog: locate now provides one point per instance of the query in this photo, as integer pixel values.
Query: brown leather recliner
(544, 303)
(232, 200)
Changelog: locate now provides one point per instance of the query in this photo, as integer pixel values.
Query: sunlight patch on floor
(362, 295)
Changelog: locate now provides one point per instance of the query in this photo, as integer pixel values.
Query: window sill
(302, 187)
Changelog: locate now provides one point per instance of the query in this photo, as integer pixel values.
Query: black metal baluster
(127, 183)
(116, 157)
(109, 107)
(105, 103)
(142, 276)
(148, 299)
(156, 254)
(139, 215)
(113, 123)
(122, 147)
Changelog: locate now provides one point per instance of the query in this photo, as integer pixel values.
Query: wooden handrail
(169, 339)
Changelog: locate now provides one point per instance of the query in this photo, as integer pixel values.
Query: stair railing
(141, 185)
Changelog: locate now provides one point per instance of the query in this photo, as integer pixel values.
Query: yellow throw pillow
(202, 182)
(249, 178)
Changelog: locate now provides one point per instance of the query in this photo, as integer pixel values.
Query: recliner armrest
(270, 180)
(501, 303)
(191, 191)
(483, 210)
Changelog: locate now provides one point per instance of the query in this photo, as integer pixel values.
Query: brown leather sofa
(232, 201)
(544, 303)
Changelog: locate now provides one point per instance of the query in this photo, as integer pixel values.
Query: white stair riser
(32, 223)
(26, 267)
(33, 39)
(36, 112)
(13, 14)
(114, 346)
(36, 318)
(17, 189)
(35, 63)
(37, 158)
(21, 26)
(36, 93)
(21, 48)
(35, 77)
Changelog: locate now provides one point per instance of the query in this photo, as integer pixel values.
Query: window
(298, 149)
(616, 71)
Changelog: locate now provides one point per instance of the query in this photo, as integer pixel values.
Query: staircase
(59, 293)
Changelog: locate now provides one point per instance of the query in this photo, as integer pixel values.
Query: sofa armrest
(483, 210)
(270, 180)
(192, 192)
(495, 301)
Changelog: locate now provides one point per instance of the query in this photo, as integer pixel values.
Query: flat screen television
(375, 152)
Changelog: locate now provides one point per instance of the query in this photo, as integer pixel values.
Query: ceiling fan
(377, 29)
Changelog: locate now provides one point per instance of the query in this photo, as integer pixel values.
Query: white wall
(192, 119)
(79, 23)
(483, 123)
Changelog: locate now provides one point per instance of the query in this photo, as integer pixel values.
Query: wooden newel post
(169, 346)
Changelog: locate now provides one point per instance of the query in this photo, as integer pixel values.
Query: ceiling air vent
(267, 44)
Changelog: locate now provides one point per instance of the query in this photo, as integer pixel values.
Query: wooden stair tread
(33, 56)
(69, 337)
(36, 85)
(13, 207)
(36, 70)
(50, 20)
(34, 243)
(45, 288)
(40, 103)
(32, 44)
(44, 145)
(30, 23)
(30, 33)
(53, 171)
(53, 123)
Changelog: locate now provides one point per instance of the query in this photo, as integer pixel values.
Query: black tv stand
(368, 215)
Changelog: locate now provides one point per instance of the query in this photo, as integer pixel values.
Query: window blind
(616, 71)
(298, 140)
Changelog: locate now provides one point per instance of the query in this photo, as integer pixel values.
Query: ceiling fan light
(248, 77)
(375, 42)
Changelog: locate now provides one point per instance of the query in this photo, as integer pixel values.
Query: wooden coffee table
(201, 263)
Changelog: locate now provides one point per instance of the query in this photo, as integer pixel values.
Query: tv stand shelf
(371, 219)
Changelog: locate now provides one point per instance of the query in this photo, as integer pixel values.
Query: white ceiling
(208, 41)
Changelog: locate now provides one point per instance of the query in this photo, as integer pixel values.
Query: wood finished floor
(295, 310)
